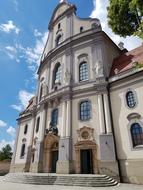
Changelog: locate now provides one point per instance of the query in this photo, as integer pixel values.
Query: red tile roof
(125, 61)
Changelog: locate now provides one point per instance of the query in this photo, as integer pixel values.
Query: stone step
(65, 180)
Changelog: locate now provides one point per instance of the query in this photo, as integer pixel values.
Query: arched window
(130, 98)
(22, 151)
(57, 74)
(33, 157)
(59, 25)
(137, 134)
(37, 124)
(85, 110)
(81, 29)
(41, 93)
(54, 117)
(25, 129)
(83, 71)
(58, 40)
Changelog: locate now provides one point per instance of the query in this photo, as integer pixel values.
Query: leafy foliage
(125, 17)
(6, 153)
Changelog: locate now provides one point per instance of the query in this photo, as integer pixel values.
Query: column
(12, 167)
(33, 128)
(44, 119)
(68, 119)
(29, 154)
(107, 114)
(101, 114)
(63, 128)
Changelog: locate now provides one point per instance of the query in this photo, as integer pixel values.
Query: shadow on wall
(4, 167)
(117, 113)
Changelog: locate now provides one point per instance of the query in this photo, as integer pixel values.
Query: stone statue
(45, 89)
(53, 129)
(98, 69)
(67, 77)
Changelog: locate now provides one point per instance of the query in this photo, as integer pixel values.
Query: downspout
(113, 131)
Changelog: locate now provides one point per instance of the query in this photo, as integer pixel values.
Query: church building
(87, 115)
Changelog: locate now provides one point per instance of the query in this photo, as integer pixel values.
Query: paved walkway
(17, 186)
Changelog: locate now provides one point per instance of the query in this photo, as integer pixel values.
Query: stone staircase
(64, 180)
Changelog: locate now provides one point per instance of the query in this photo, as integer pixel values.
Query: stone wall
(4, 167)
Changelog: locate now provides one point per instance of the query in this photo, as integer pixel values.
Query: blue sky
(23, 32)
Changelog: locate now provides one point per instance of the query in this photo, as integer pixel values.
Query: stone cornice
(126, 80)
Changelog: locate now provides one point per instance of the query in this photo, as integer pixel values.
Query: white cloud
(37, 33)
(11, 48)
(11, 131)
(17, 107)
(3, 143)
(24, 98)
(12, 53)
(15, 2)
(33, 55)
(3, 124)
(9, 27)
(100, 12)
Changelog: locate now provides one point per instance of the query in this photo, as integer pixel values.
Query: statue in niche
(98, 69)
(67, 77)
(52, 129)
(45, 89)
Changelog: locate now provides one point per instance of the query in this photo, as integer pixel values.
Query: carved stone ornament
(67, 77)
(45, 89)
(85, 133)
(98, 69)
(133, 116)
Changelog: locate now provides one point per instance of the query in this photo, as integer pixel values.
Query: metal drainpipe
(113, 133)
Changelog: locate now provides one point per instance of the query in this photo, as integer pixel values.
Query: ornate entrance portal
(51, 144)
(86, 152)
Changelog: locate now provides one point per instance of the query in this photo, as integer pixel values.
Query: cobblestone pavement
(17, 186)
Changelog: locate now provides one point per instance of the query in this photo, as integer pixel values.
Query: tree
(125, 17)
(6, 153)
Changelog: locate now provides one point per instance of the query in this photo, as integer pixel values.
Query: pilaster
(107, 113)
(101, 114)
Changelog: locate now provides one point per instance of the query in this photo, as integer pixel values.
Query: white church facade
(87, 115)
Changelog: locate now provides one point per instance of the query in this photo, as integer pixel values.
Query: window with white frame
(136, 134)
(130, 98)
(22, 151)
(58, 40)
(54, 117)
(41, 93)
(83, 71)
(37, 124)
(85, 110)
(25, 129)
(57, 74)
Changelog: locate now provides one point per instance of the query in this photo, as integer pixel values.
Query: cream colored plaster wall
(92, 123)
(22, 136)
(122, 125)
(79, 22)
(61, 10)
(111, 52)
(63, 31)
(39, 134)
